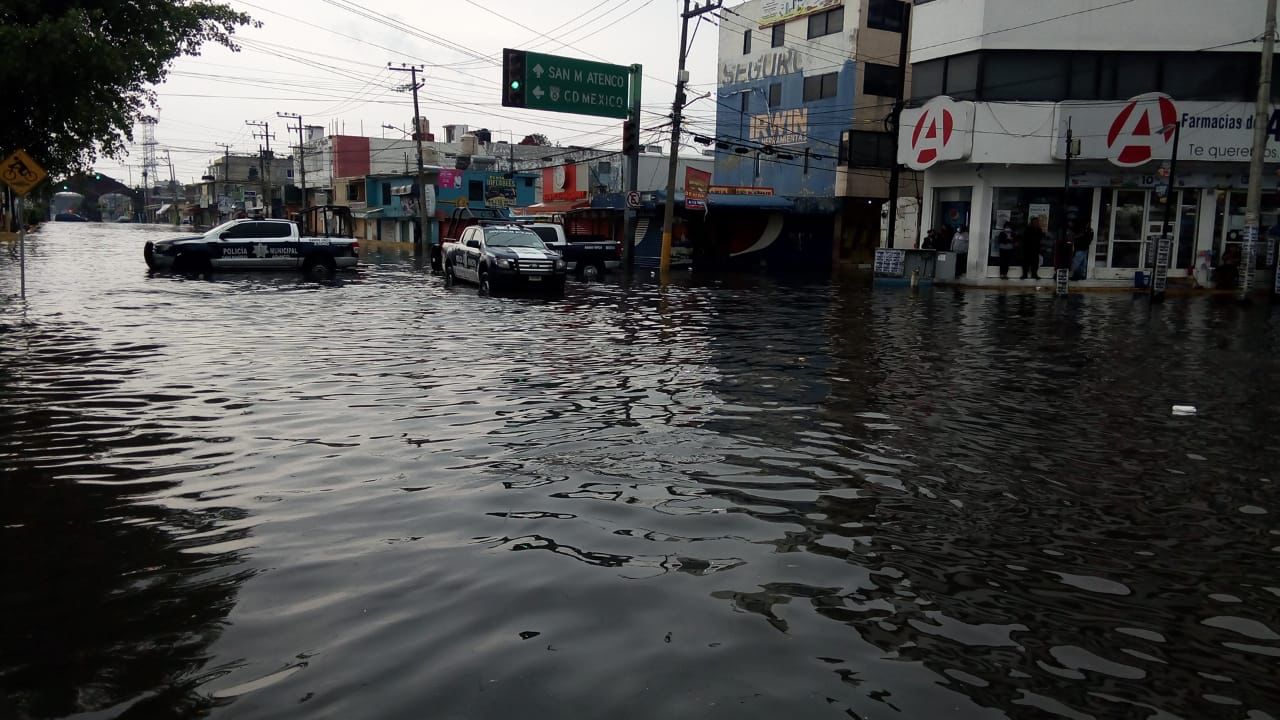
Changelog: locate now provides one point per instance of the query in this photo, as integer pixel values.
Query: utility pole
(302, 155)
(173, 189)
(423, 227)
(1061, 275)
(1261, 120)
(631, 147)
(226, 169)
(682, 78)
(895, 170)
(1164, 250)
(266, 171)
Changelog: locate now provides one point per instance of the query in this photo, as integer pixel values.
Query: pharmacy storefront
(991, 164)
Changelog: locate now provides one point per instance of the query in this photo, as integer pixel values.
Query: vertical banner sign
(697, 183)
(1062, 276)
(1160, 277)
(1249, 251)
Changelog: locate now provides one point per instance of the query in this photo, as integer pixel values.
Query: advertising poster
(1039, 210)
(697, 183)
(450, 180)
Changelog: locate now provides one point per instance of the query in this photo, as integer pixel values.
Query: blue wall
(523, 193)
(819, 132)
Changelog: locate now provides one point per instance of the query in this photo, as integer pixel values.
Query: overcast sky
(326, 59)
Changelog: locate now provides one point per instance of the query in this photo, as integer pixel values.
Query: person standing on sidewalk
(1032, 237)
(960, 246)
(1080, 262)
(1006, 246)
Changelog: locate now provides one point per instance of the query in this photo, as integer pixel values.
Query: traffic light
(513, 78)
(630, 138)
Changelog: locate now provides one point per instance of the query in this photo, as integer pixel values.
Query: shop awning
(750, 202)
(367, 213)
(164, 209)
(551, 208)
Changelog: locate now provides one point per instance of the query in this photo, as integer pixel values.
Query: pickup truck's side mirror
(473, 244)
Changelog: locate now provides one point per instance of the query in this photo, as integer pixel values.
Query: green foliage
(536, 139)
(78, 73)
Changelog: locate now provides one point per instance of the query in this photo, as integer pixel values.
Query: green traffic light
(515, 84)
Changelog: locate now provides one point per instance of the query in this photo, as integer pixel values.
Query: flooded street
(732, 498)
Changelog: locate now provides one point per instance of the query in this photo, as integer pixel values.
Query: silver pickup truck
(504, 257)
(254, 245)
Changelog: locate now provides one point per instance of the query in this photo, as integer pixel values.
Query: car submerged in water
(317, 242)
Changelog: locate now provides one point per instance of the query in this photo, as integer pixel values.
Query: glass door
(1128, 226)
(1183, 222)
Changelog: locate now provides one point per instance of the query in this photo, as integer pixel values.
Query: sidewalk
(1180, 286)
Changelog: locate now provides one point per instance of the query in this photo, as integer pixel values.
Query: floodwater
(732, 498)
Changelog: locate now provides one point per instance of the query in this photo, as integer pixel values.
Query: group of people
(954, 239)
(1029, 246)
(1070, 250)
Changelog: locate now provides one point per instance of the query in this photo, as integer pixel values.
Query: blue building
(803, 151)
(392, 201)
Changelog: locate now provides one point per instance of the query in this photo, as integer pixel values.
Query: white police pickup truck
(254, 245)
(503, 256)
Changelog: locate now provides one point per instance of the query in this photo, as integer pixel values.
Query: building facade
(243, 183)
(1000, 85)
(803, 91)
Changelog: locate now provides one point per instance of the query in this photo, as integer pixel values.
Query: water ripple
(731, 497)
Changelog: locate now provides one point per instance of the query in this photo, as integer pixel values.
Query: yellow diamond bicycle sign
(21, 173)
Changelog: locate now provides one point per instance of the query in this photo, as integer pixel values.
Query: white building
(997, 85)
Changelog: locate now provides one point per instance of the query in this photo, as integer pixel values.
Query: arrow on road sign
(537, 70)
(537, 92)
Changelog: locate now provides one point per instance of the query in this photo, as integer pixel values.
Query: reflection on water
(260, 498)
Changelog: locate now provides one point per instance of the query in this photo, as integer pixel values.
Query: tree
(77, 74)
(536, 139)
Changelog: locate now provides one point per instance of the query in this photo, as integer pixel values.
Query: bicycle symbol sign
(21, 173)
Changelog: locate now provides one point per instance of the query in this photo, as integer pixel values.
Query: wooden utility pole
(1261, 121)
(424, 245)
(173, 189)
(682, 78)
(266, 163)
(302, 155)
(226, 169)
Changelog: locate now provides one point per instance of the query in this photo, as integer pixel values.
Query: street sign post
(22, 173)
(567, 85)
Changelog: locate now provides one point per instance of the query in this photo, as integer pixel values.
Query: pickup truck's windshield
(512, 238)
(548, 234)
(222, 228)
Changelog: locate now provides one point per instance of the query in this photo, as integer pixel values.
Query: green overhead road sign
(568, 85)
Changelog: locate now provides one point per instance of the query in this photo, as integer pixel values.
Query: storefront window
(1228, 226)
(1018, 205)
(952, 212)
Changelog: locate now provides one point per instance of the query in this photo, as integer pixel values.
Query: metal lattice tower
(148, 152)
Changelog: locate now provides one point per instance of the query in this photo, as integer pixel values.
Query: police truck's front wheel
(320, 268)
